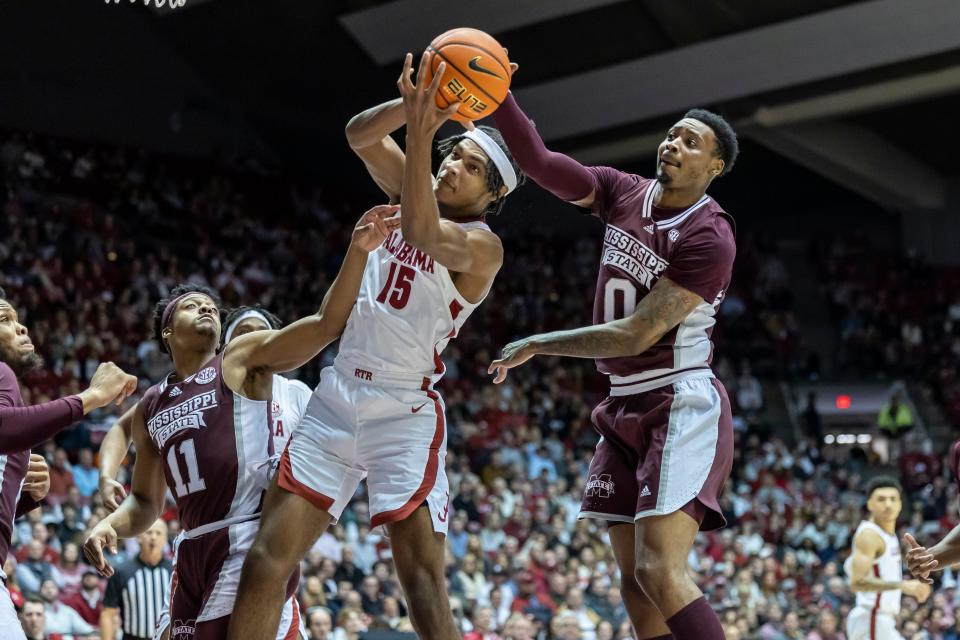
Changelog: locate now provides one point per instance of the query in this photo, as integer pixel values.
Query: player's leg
(403, 444)
(858, 624)
(314, 483)
(418, 553)
(212, 629)
(690, 454)
(663, 544)
(271, 561)
(646, 619)
(611, 496)
(10, 626)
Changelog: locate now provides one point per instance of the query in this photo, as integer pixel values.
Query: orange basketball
(477, 73)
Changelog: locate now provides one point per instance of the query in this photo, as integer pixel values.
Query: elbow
(353, 132)
(416, 235)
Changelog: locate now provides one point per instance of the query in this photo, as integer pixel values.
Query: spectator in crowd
(88, 601)
(86, 477)
(812, 421)
(894, 419)
(319, 623)
(34, 570)
(34, 620)
(59, 617)
(61, 476)
(482, 621)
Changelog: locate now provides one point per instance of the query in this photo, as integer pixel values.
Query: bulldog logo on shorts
(599, 486)
(207, 375)
(183, 629)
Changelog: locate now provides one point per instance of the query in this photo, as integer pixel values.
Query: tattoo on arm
(661, 310)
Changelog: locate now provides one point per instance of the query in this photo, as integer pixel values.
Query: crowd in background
(93, 236)
(894, 314)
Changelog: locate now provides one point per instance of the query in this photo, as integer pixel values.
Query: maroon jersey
(694, 247)
(215, 444)
(20, 428)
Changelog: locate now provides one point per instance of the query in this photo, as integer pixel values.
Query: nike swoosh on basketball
(473, 64)
(412, 410)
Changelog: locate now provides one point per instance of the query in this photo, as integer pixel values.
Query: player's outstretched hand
(514, 355)
(419, 102)
(374, 226)
(102, 536)
(109, 384)
(112, 493)
(920, 561)
(917, 589)
(37, 482)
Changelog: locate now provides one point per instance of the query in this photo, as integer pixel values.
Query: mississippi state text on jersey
(693, 247)
(216, 445)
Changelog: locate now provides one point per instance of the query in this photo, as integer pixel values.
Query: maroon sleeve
(704, 261)
(559, 174)
(23, 428)
(26, 504)
(609, 185)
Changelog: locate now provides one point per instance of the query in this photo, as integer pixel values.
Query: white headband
(246, 315)
(495, 153)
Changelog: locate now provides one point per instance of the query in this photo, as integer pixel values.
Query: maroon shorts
(206, 577)
(664, 450)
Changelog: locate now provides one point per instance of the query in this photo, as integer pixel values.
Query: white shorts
(870, 624)
(10, 627)
(353, 429)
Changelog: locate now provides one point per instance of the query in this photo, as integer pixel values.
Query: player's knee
(656, 577)
(262, 564)
(631, 592)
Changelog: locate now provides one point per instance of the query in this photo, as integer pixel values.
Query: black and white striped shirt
(139, 590)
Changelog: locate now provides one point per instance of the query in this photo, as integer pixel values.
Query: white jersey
(289, 402)
(888, 567)
(407, 311)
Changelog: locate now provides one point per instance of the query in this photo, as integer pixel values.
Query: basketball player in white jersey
(288, 403)
(875, 568)
(375, 414)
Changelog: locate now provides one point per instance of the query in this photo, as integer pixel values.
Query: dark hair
(494, 179)
(727, 146)
(883, 482)
(3, 294)
(275, 322)
(175, 293)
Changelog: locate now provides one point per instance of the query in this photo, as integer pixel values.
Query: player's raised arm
(113, 450)
(369, 134)
(141, 508)
(449, 244)
(298, 343)
(27, 427)
(658, 312)
(559, 174)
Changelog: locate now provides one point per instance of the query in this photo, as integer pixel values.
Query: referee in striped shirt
(138, 589)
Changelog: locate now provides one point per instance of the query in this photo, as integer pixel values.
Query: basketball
(477, 73)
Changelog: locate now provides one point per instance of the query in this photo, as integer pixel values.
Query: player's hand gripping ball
(477, 72)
